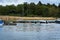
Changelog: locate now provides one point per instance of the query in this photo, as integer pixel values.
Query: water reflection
(31, 31)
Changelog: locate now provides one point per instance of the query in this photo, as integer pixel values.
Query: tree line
(31, 10)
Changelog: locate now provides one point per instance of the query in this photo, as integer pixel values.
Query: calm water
(30, 31)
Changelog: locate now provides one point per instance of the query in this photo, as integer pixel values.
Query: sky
(16, 2)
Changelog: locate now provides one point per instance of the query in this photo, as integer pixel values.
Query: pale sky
(15, 2)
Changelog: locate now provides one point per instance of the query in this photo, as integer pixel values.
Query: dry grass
(25, 18)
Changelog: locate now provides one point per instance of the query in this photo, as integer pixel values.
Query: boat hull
(57, 21)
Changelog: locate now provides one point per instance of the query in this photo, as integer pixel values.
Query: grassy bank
(25, 18)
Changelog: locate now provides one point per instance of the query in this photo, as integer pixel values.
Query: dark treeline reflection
(32, 9)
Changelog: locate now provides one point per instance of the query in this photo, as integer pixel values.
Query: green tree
(58, 10)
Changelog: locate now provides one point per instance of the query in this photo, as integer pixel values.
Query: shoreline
(26, 18)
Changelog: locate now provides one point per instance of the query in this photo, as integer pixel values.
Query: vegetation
(31, 10)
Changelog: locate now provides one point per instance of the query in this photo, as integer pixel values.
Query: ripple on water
(31, 32)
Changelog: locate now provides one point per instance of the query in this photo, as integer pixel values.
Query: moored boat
(1, 22)
(57, 21)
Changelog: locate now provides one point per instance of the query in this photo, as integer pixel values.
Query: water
(31, 31)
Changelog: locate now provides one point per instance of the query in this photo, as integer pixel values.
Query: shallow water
(31, 31)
